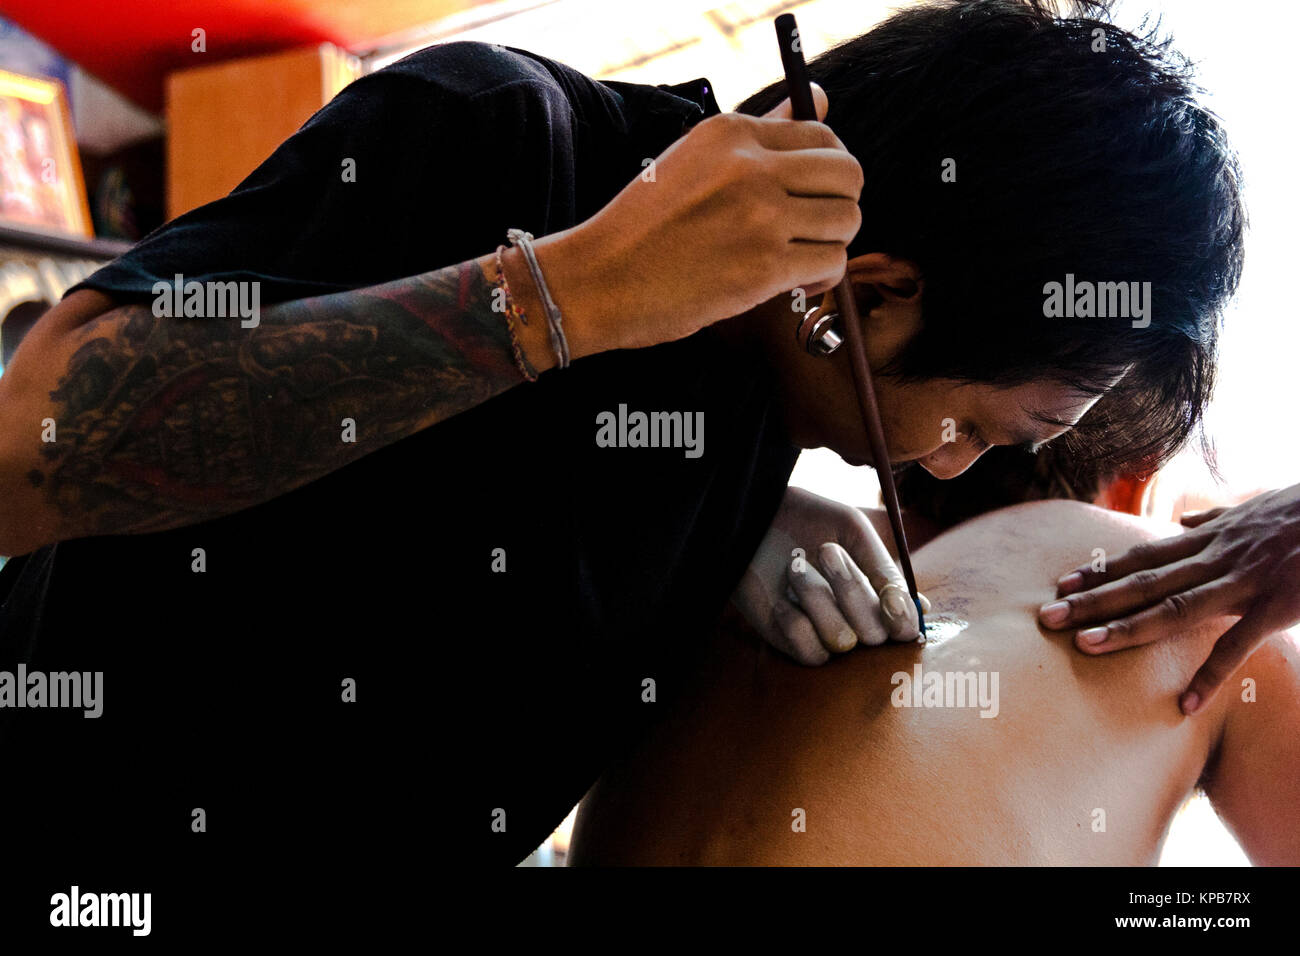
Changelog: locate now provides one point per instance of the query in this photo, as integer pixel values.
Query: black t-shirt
(481, 696)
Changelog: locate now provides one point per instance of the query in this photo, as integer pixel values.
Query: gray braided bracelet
(524, 240)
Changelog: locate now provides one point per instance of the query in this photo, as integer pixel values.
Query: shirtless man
(1066, 759)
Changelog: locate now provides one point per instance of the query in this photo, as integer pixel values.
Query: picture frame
(41, 184)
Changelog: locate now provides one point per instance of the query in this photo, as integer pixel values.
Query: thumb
(1194, 519)
(784, 110)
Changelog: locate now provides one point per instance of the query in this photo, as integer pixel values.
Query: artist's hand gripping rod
(802, 107)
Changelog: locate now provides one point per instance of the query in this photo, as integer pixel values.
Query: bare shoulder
(1265, 689)
(1253, 779)
(1051, 531)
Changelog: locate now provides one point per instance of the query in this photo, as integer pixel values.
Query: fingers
(784, 110)
(783, 616)
(818, 172)
(792, 633)
(853, 594)
(778, 129)
(819, 602)
(1143, 589)
(1149, 555)
(840, 606)
(833, 610)
(785, 135)
(781, 624)
(824, 263)
(897, 609)
(820, 101)
(1231, 650)
(1194, 519)
(825, 220)
(1173, 615)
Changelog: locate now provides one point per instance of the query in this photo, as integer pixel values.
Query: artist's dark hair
(1068, 159)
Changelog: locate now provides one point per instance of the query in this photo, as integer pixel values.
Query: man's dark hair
(1069, 159)
(1000, 478)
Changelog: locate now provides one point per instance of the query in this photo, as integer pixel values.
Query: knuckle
(1144, 581)
(819, 588)
(1176, 606)
(873, 636)
(723, 124)
(1081, 605)
(855, 220)
(848, 170)
(1219, 565)
(785, 617)
(742, 168)
(845, 218)
(837, 263)
(1238, 585)
(1141, 552)
(794, 649)
(1121, 629)
(809, 646)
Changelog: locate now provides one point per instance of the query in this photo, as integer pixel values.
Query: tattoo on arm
(164, 422)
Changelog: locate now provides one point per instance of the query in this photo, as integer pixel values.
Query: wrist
(581, 292)
(535, 337)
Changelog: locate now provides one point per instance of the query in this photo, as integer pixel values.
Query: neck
(767, 331)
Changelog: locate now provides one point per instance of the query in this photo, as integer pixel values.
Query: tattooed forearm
(162, 422)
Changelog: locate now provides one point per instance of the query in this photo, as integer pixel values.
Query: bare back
(1075, 743)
